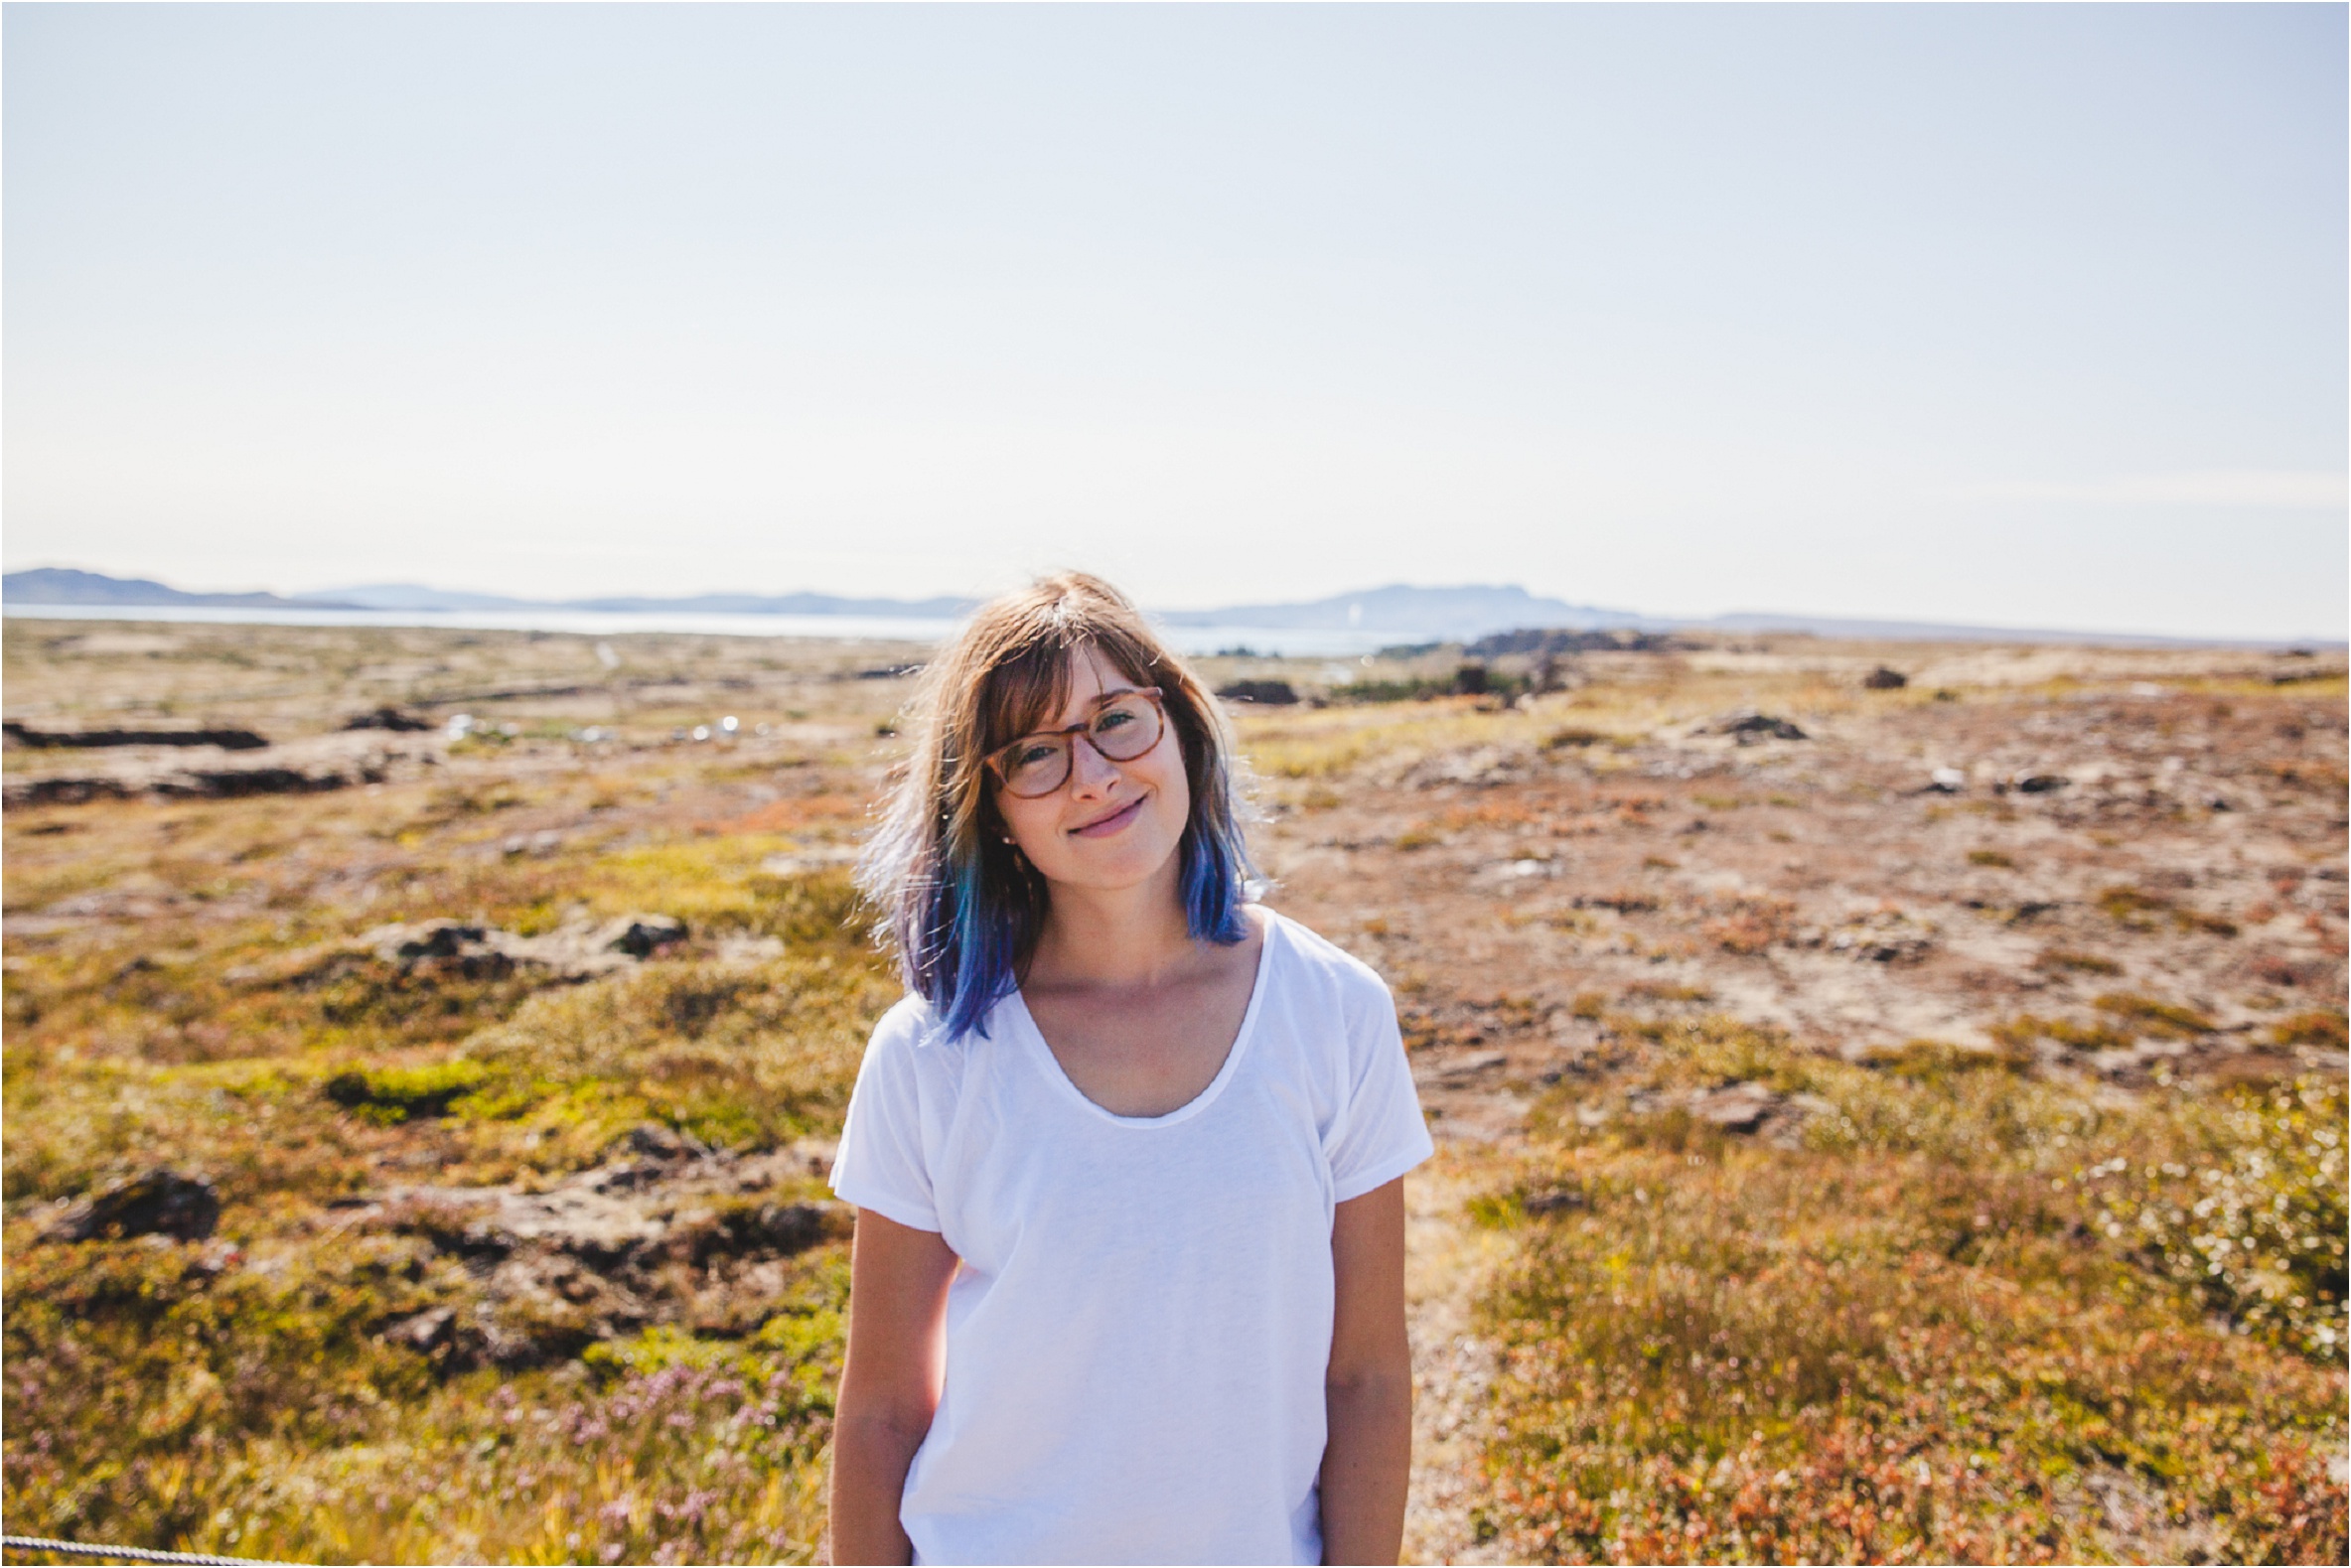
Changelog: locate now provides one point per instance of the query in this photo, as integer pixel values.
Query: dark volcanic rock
(1555, 1200)
(66, 792)
(656, 1142)
(226, 740)
(1749, 727)
(639, 935)
(192, 784)
(1884, 679)
(690, 1235)
(1558, 639)
(160, 763)
(388, 718)
(432, 939)
(573, 953)
(153, 1202)
(223, 783)
(1269, 693)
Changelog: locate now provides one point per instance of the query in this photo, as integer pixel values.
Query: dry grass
(254, 1411)
(190, 984)
(243, 1396)
(1963, 1316)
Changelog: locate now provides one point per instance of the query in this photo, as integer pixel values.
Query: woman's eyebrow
(1099, 700)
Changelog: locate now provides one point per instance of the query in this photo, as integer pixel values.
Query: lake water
(1291, 643)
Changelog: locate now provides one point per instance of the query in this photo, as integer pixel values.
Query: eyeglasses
(1124, 726)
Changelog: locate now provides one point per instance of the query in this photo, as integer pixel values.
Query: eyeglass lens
(1121, 731)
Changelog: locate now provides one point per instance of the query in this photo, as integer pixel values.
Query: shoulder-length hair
(962, 908)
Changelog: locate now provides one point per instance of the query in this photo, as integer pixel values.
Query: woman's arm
(890, 1381)
(1367, 1393)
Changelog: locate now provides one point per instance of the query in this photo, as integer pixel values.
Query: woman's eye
(1031, 756)
(1115, 719)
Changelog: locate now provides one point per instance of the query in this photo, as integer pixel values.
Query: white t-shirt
(1138, 1332)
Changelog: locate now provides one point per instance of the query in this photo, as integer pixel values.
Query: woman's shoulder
(911, 1028)
(916, 1030)
(910, 1057)
(1313, 957)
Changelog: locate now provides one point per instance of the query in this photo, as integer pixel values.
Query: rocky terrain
(2130, 888)
(416, 1121)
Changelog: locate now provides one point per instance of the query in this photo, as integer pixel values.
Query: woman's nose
(1091, 773)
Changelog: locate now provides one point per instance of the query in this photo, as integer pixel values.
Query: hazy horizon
(2016, 316)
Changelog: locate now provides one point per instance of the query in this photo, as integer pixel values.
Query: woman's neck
(1113, 936)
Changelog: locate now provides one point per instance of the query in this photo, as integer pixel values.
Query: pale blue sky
(2015, 314)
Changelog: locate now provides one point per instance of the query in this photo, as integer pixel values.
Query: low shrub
(2137, 909)
(2311, 1029)
(2019, 1031)
(1966, 1304)
(1577, 737)
(1764, 1359)
(2079, 962)
(2165, 1019)
(1749, 925)
(2240, 1199)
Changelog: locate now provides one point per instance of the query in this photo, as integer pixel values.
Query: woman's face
(1111, 824)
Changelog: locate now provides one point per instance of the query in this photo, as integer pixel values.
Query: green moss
(391, 1095)
(2157, 1018)
(1933, 1061)
(658, 1349)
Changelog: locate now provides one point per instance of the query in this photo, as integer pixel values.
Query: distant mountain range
(57, 585)
(1405, 613)
(53, 584)
(416, 596)
(1423, 613)
(1408, 612)
(1441, 613)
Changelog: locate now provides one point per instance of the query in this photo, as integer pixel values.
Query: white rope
(135, 1554)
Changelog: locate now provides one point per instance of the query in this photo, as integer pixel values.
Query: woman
(1128, 1275)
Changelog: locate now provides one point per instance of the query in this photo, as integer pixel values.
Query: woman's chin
(1130, 860)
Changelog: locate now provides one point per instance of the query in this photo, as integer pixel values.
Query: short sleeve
(1381, 1134)
(881, 1164)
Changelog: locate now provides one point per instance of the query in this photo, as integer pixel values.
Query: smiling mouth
(1117, 820)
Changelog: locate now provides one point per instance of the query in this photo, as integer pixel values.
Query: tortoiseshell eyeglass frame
(1066, 740)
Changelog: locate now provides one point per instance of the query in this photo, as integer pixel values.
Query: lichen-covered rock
(153, 1202)
(578, 952)
(1735, 1107)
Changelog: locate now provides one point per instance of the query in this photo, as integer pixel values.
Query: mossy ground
(1964, 1314)
(1976, 1306)
(189, 985)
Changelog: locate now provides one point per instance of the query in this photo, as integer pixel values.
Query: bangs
(1025, 692)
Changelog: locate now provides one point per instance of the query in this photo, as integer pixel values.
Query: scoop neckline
(1059, 1077)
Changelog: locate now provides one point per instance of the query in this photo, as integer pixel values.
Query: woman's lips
(1103, 826)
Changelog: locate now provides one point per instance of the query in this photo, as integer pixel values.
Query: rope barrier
(133, 1554)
